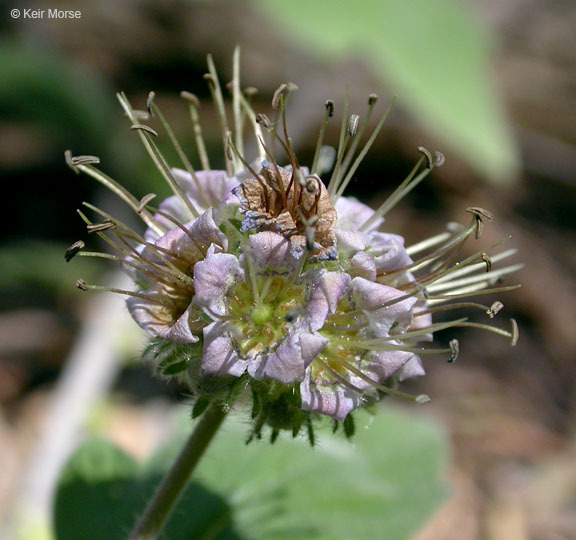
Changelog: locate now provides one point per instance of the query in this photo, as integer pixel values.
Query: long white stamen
(363, 153)
(372, 100)
(447, 268)
(405, 187)
(82, 285)
(157, 158)
(462, 268)
(238, 140)
(266, 287)
(327, 115)
(180, 152)
(454, 243)
(193, 105)
(474, 267)
(333, 184)
(167, 279)
(123, 194)
(428, 243)
(258, 133)
(252, 277)
(455, 305)
(465, 292)
(422, 398)
(420, 332)
(484, 277)
(216, 92)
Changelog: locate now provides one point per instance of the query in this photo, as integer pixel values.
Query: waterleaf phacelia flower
(263, 282)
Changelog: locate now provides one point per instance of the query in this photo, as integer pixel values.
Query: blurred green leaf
(38, 87)
(41, 263)
(383, 485)
(102, 491)
(433, 53)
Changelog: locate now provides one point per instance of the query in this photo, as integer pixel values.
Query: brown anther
(250, 91)
(454, 350)
(329, 104)
(494, 309)
(141, 115)
(277, 95)
(143, 127)
(74, 161)
(85, 160)
(99, 227)
(428, 155)
(70, 162)
(264, 121)
(188, 96)
(488, 261)
(73, 250)
(208, 77)
(372, 99)
(81, 284)
(480, 214)
(515, 332)
(422, 290)
(149, 102)
(145, 200)
(353, 124)
(439, 159)
(312, 184)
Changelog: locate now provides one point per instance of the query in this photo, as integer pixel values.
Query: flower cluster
(263, 276)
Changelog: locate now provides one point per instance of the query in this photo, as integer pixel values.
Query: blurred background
(490, 84)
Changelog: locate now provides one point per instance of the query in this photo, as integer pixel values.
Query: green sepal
(175, 368)
(200, 406)
(274, 435)
(349, 426)
(311, 434)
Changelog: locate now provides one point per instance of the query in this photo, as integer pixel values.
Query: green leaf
(175, 368)
(200, 406)
(41, 263)
(433, 53)
(91, 499)
(102, 491)
(383, 484)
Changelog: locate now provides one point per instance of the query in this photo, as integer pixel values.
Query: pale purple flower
(260, 313)
(362, 352)
(278, 277)
(369, 254)
(164, 307)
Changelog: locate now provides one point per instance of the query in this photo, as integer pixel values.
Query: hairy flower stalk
(262, 283)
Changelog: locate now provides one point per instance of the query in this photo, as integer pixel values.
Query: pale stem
(168, 493)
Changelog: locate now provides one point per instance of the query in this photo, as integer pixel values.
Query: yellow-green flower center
(262, 309)
(262, 313)
(343, 329)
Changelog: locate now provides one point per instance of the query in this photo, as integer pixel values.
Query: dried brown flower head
(294, 204)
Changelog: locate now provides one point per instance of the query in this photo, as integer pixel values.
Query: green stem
(168, 493)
